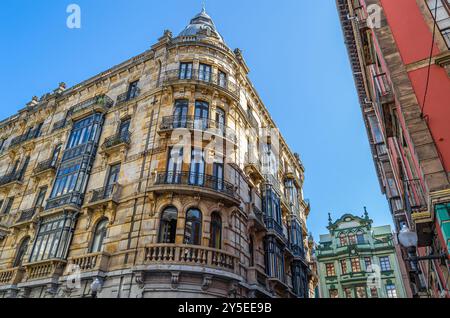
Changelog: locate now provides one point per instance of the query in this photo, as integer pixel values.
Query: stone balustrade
(190, 255)
(11, 276)
(44, 269)
(90, 262)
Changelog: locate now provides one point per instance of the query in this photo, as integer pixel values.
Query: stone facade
(92, 189)
(357, 260)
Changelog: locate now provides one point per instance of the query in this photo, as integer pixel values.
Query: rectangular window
(8, 207)
(204, 72)
(66, 180)
(391, 291)
(84, 131)
(334, 293)
(367, 262)
(2, 142)
(185, 71)
(174, 165)
(55, 155)
(197, 171)
(40, 198)
(222, 81)
(330, 269)
(124, 128)
(133, 90)
(356, 265)
(361, 292)
(373, 292)
(442, 15)
(274, 259)
(112, 179)
(348, 293)
(385, 264)
(1, 205)
(344, 266)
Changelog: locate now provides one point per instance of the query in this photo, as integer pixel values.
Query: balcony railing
(78, 151)
(26, 215)
(272, 224)
(11, 276)
(59, 125)
(44, 269)
(116, 140)
(11, 177)
(197, 123)
(91, 262)
(110, 192)
(190, 255)
(126, 97)
(415, 196)
(32, 134)
(196, 180)
(46, 165)
(200, 77)
(102, 100)
(73, 199)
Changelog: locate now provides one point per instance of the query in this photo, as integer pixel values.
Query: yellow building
(98, 184)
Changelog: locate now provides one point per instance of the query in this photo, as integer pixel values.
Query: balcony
(253, 122)
(253, 168)
(126, 97)
(26, 216)
(11, 179)
(171, 254)
(256, 219)
(32, 134)
(71, 201)
(415, 197)
(104, 198)
(201, 78)
(213, 127)
(188, 182)
(117, 142)
(44, 167)
(59, 125)
(78, 151)
(94, 262)
(385, 94)
(97, 104)
(48, 269)
(11, 276)
(276, 229)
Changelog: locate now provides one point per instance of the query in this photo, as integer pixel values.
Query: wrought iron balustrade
(10, 178)
(118, 139)
(49, 164)
(109, 192)
(59, 125)
(26, 215)
(197, 180)
(200, 77)
(102, 100)
(32, 134)
(126, 97)
(415, 197)
(198, 123)
(73, 198)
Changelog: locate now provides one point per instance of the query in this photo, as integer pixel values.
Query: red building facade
(399, 52)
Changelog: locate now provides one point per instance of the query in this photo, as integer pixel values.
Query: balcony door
(55, 155)
(124, 128)
(180, 114)
(174, 165)
(201, 115)
(218, 175)
(112, 179)
(220, 120)
(185, 71)
(204, 73)
(197, 172)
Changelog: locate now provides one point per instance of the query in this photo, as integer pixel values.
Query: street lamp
(95, 287)
(409, 240)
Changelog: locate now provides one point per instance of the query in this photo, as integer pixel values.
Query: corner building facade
(95, 186)
(399, 53)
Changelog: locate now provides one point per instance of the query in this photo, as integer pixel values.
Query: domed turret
(201, 24)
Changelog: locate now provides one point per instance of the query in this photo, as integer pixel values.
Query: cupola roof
(201, 24)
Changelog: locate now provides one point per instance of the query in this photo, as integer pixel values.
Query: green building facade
(357, 260)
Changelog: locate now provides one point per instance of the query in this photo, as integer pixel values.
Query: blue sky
(295, 50)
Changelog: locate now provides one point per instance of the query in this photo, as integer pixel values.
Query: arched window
(21, 252)
(352, 239)
(193, 229)
(99, 236)
(168, 226)
(216, 231)
(343, 239)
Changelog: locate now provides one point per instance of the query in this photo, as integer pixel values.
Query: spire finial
(330, 220)
(366, 214)
(203, 6)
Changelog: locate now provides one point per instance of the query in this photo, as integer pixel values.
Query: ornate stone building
(97, 186)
